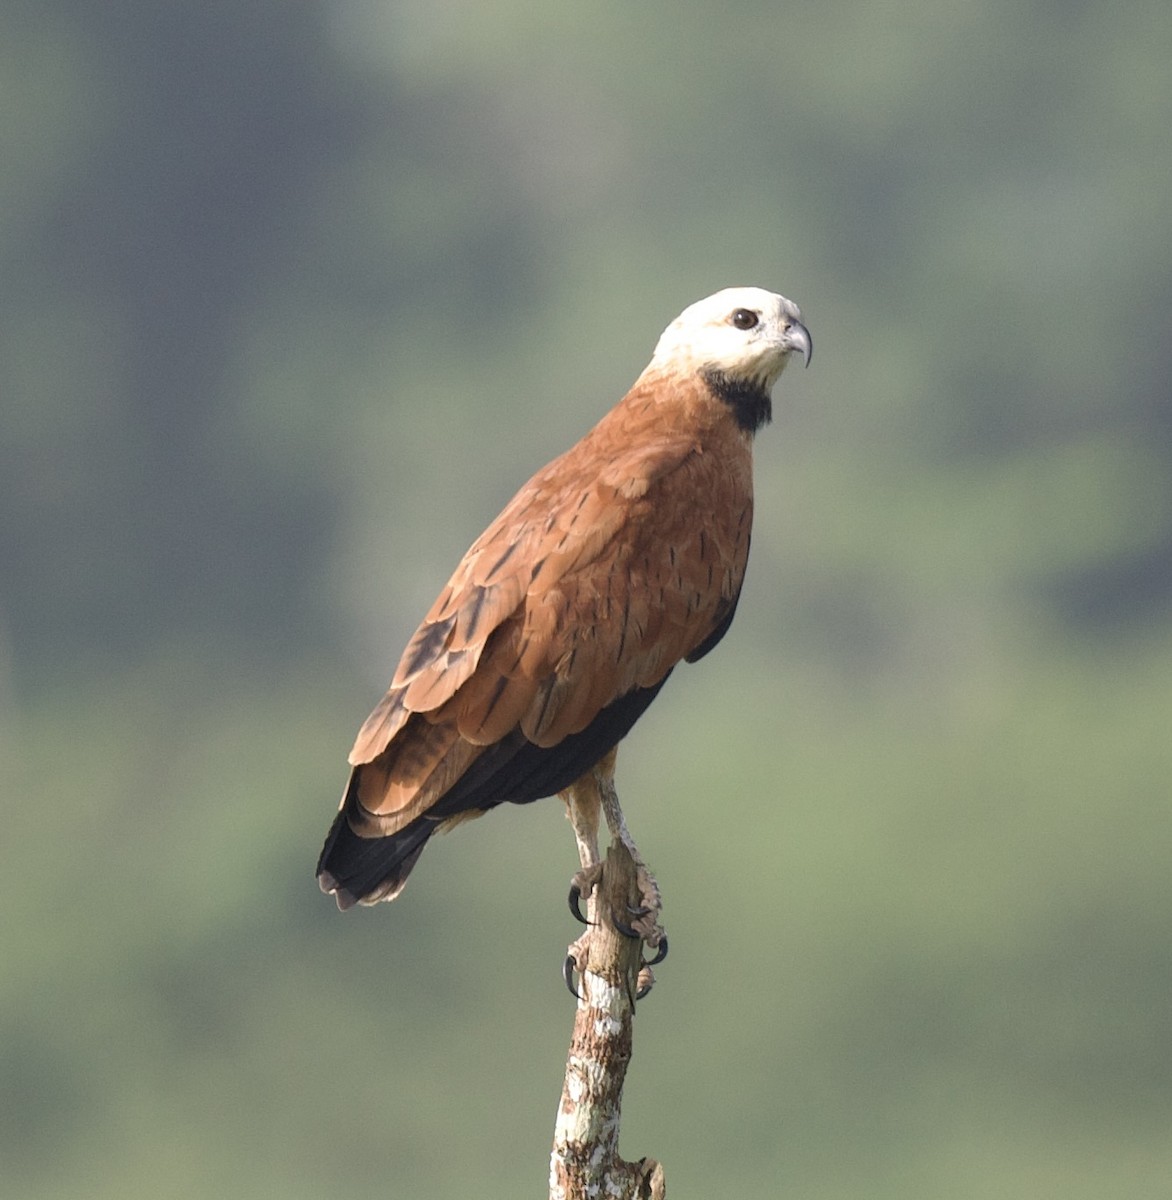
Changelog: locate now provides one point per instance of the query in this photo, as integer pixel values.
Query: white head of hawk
(744, 334)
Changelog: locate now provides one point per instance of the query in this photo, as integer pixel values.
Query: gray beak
(797, 337)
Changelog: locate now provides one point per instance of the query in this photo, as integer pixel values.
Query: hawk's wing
(607, 568)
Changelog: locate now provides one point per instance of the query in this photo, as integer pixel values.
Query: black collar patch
(750, 402)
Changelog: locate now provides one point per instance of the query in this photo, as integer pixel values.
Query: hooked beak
(797, 337)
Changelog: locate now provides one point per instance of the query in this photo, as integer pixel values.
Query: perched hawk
(567, 615)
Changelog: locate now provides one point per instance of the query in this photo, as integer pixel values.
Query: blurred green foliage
(294, 295)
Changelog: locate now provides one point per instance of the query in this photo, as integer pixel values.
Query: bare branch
(585, 1162)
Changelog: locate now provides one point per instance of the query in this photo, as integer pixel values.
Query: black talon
(568, 969)
(625, 930)
(643, 991)
(575, 904)
(641, 911)
(660, 952)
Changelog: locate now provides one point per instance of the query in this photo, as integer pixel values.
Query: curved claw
(645, 981)
(660, 952)
(568, 969)
(625, 930)
(575, 901)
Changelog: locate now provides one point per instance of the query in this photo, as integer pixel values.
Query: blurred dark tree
(209, 124)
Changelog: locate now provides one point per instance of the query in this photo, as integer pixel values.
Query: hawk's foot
(576, 954)
(639, 921)
(582, 888)
(644, 923)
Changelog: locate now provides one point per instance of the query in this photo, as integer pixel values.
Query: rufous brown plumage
(620, 558)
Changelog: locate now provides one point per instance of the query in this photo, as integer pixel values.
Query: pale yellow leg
(585, 799)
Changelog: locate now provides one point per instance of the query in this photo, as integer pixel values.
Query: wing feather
(608, 567)
(405, 781)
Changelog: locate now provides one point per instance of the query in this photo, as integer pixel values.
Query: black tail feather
(354, 867)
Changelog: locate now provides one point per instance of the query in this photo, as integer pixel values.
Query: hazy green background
(293, 296)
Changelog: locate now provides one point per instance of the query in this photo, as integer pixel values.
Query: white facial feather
(707, 335)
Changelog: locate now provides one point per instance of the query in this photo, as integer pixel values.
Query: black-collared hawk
(616, 561)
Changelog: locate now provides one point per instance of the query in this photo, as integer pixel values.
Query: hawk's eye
(744, 318)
